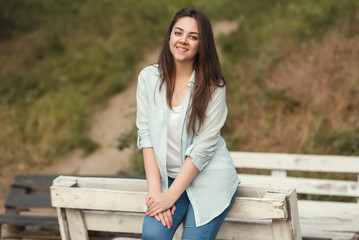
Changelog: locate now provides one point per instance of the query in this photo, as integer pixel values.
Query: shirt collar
(192, 79)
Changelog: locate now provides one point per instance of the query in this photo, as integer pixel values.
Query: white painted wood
(317, 219)
(298, 162)
(113, 221)
(328, 216)
(256, 208)
(122, 184)
(98, 199)
(305, 185)
(281, 230)
(99, 204)
(331, 235)
(178, 233)
(63, 225)
(76, 225)
(102, 199)
(294, 215)
(246, 230)
(279, 173)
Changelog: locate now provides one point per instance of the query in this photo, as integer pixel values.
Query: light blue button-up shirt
(213, 187)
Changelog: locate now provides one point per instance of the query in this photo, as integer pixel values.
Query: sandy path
(107, 125)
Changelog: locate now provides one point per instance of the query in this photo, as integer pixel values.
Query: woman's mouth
(182, 49)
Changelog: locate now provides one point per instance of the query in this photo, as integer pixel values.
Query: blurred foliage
(129, 139)
(60, 60)
(261, 117)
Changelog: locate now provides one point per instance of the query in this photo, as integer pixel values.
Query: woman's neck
(184, 71)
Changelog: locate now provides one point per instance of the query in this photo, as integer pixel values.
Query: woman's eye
(177, 33)
(193, 37)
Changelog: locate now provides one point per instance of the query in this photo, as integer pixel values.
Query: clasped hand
(157, 203)
(161, 207)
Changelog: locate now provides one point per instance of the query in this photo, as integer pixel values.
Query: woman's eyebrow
(183, 30)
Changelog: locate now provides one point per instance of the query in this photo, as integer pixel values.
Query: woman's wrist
(171, 194)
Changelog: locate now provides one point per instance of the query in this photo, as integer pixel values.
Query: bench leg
(288, 229)
(63, 225)
(76, 224)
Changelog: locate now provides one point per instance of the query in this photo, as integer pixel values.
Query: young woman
(181, 109)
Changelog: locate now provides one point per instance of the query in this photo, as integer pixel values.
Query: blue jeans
(153, 229)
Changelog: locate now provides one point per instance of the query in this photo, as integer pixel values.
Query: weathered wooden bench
(28, 208)
(117, 205)
(320, 219)
(29, 213)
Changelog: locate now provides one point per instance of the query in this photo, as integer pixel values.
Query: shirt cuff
(144, 141)
(199, 158)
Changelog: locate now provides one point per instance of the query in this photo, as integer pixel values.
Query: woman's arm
(154, 185)
(162, 201)
(152, 171)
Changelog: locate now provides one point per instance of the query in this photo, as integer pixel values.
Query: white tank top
(173, 145)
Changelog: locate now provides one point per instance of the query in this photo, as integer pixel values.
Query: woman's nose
(183, 39)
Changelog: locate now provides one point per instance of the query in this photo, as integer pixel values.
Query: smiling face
(184, 40)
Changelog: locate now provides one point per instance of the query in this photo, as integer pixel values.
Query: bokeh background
(292, 68)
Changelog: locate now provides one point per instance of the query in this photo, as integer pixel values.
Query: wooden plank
(305, 185)
(281, 230)
(63, 224)
(257, 209)
(114, 221)
(33, 181)
(178, 233)
(122, 184)
(330, 235)
(131, 222)
(20, 220)
(255, 191)
(96, 199)
(15, 200)
(297, 162)
(52, 234)
(248, 230)
(328, 216)
(294, 215)
(76, 224)
(140, 185)
(279, 173)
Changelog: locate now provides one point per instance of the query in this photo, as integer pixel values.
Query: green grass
(60, 60)
(270, 36)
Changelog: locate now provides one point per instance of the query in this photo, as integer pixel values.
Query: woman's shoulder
(151, 70)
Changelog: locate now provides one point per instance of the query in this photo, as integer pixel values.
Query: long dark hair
(208, 75)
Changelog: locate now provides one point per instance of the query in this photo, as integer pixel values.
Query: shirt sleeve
(143, 135)
(204, 143)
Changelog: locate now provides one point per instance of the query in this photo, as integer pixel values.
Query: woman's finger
(173, 209)
(169, 216)
(162, 219)
(157, 218)
(155, 211)
(167, 220)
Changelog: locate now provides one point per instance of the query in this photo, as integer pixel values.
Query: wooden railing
(324, 219)
(117, 205)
